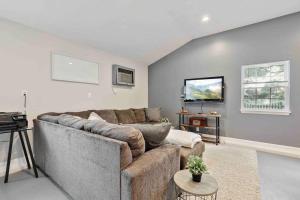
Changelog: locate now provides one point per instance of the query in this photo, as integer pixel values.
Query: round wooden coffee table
(186, 188)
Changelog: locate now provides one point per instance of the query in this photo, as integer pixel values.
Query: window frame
(286, 110)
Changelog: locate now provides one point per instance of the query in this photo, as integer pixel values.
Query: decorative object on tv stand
(197, 167)
(123, 75)
(198, 121)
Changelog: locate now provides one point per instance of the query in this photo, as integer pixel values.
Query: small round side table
(187, 189)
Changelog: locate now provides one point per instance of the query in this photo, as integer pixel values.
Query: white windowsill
(267, 112)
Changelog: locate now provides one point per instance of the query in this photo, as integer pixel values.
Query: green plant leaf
(196, 165)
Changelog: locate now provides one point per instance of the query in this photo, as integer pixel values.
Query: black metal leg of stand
(31, 154)
(219, 128)
(218, 131)
(179, 122)
(24, 150)
(11, 140)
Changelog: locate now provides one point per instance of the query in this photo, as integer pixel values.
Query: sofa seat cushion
(132, 136)
(186, 152)
(154, 134)
(126, 116)
(140, 115)
(107, 115)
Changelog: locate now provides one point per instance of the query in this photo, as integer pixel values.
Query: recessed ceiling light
(70, 63)
(205, 18)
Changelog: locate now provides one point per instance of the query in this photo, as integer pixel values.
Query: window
(266, 88)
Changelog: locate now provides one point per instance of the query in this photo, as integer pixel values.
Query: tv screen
(204, 89)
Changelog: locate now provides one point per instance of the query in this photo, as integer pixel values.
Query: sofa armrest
(86, 166)
(151, 175)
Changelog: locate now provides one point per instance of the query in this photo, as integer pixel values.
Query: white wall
(25, 64)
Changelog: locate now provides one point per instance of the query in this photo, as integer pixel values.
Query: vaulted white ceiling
(144, 30)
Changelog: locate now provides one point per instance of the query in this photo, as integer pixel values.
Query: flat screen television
(204, 89)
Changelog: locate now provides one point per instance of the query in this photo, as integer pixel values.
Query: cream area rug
(235, 169)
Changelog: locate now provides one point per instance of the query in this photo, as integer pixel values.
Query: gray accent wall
(224, 54)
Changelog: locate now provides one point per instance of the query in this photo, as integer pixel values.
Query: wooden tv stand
(186, 115)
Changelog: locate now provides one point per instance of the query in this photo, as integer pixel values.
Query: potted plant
(196, 166)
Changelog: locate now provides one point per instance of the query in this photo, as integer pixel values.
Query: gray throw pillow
(49, 118)
(154, 134)
(132, 136)
(153, 114)
(72, 121)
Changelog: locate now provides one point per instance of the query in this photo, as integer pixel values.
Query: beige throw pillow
(95, 116)
(153, 114)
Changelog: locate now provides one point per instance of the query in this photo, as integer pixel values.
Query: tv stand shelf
(195, 126)
(183, 115)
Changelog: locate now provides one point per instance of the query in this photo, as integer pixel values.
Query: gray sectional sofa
(95, 160)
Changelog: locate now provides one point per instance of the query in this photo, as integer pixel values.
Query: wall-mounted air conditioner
(122, 75)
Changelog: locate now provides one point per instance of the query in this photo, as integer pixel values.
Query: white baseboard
(16, 165)
(261, 146)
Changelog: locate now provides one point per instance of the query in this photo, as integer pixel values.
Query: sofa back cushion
(107, 115)
(153, 114)
(72, 121)
(126, 116)
(132, 136)
(49, 118)
(82, 114)
(140, 115)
